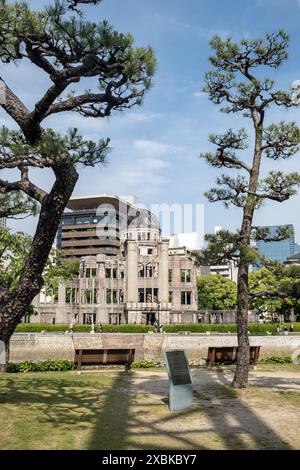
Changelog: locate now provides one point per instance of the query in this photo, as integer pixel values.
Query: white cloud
(144, 117)
(178, 25)
(154, 149)
(63, 121)
(201, 94)
(137, 177)
(154, 164)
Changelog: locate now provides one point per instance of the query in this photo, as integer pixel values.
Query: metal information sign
(180, 380)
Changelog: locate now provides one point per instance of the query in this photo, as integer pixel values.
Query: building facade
(228, 270)
(91, 226)
(131, 276)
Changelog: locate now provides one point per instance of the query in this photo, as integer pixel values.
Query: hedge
(43, 366)
(254, 328)
(37, 328)
(145, 364)
(62, 365)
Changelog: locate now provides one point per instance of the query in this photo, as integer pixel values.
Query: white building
(189, 240)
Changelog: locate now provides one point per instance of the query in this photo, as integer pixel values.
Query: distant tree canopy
(216, 293)
(14, 248)
(275, 289)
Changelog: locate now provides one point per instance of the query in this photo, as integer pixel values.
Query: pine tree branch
(25, 185)
(281, 140)
(15, 108)
(268, 293)
(73, 4)
(69, 49)
(77, 103)
(225, 159)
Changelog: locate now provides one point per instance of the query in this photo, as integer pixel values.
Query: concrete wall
(196, 346)
(37, 346)
(40, 347)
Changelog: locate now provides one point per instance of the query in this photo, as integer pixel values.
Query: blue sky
(155, 148)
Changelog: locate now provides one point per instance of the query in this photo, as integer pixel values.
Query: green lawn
(64, 410)
(60, 410)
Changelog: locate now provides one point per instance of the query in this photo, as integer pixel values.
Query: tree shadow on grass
(71, 405)
(124, 412)
(219, 411)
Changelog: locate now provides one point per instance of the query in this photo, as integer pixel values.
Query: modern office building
(297, 248)
(2, 222)
(91, 226)
(277, 250)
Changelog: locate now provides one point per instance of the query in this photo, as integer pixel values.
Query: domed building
(128, 273)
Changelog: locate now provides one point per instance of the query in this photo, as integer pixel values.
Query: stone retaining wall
(38, 347)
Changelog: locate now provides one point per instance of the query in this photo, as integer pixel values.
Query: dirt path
(265, 416)
(281, 380)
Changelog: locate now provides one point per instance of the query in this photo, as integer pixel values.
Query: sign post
(180, 380)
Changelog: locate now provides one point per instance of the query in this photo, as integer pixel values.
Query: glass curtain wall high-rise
(277, 250)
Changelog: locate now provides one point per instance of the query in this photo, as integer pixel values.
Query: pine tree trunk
(242, 369)
(14, 305)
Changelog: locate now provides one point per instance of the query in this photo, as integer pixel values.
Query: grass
(64, 410)
(57, 410)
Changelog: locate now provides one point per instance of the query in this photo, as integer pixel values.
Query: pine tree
(60, 42)
(236, 82)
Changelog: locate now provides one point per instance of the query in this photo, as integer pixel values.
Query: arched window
(141, 270)
(149, 270)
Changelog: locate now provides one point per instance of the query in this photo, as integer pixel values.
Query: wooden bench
(94, 357)
(229, 354)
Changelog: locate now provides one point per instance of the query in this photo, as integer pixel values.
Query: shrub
(277, 360)
(13, 367)
(200, 328)
(37, 328)
(43, 366)
(127, 328)
(144, 364)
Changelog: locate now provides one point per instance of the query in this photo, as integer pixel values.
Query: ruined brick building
(128, 273)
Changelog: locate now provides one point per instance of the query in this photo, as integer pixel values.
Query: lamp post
(158, 317)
